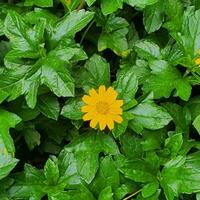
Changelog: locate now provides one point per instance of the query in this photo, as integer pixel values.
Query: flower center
(102, 107)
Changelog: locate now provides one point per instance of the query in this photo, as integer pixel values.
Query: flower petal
(93, 93)
(111, 95)
(109, 122)
(117, 118)
(93, 122)
(87, 108)
(115, 110)
(102, 91)
(88, 116)
(102, 122)
(89, 100)
(118, 103)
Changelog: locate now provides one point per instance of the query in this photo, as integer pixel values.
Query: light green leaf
(8, 120)
(153, 17)
(70, 24)
(57, 78)
(162, 80)
(149, 189)
(106, 194)
(51, 171)
(107, 176)
(115, 41)
(126, 84)
(147, 49)
(196, 123)
(140, 3)
(21, 36)
(181, 177)
(183, 89)
(96, 72)
(90, 2)
(150, 116)
(110, 6)
(72, 109)
(174, 143)
(40, 3)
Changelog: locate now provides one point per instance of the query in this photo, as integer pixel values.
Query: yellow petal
(102, 122)
(111, 95)
(117, 118)
(115, 110)
(87, 108)
(109, 122)
(118, 103)
(88, 116)
(94, 122)
(88, 100)
(93, 93)
(102, 90)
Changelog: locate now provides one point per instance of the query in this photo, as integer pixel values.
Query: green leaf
(194, 107)
(115, 41)
(174, 143)
(49, 106)
(72, 109)
(83, 156)
(70, 24)
(189, 36)
(149, 189)
(196, 123)
(31, 182)
(6, 159)
(90, 2)
(31, 136)
(56, 77)
(8, 120)
(107, 176)
(153, 17)
(140, 3)
(176, 177)
(138, 171)
(126, 84)
(110, 6)
(119, 129)
(106, 194)
(21, 36)
(51, 171)
(162, 80)
(183, 89)
(178, 114)
(174, 11)
(150, 116)
(40, 3)
(96, 72)
(147, 49)
(131, 146)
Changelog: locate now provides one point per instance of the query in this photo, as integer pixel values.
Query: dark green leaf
(49, 106)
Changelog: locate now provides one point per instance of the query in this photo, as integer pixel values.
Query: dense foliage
(52, 52)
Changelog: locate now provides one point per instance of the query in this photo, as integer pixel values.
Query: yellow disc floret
(102, 108)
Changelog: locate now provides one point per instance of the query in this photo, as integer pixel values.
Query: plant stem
(85, 33)
(132, 195)
(81, 5)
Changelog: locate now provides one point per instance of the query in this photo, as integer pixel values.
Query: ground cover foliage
(52, 52)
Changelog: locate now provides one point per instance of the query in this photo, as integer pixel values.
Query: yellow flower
(102, 108)
(197, 61)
